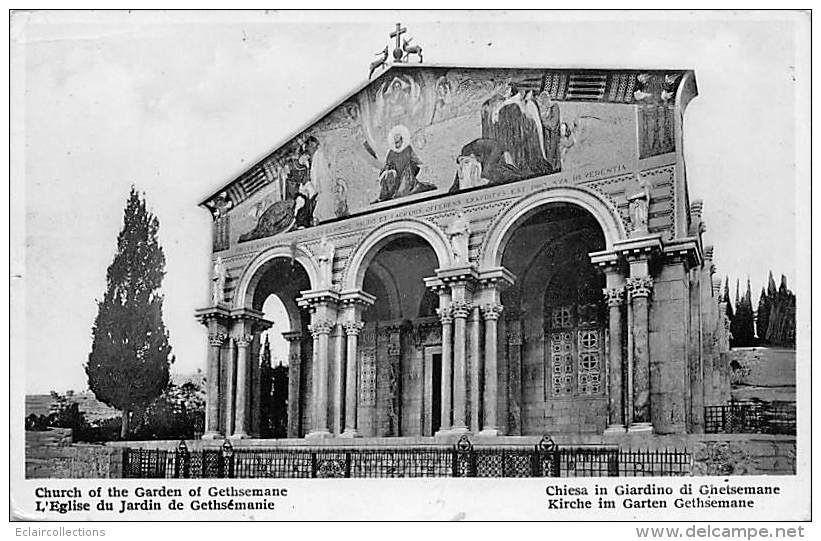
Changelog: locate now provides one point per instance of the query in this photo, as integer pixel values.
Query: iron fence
(756, 417)
(461, 460)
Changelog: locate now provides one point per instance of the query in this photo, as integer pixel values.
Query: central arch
(382, 235)
(505, 225)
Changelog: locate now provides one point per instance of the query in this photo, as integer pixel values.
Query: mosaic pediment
(421, 132)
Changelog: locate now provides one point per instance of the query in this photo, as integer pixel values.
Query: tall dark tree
(762, 320)
(130, 355)
(781, 329)
(265, 375)
(726, 299)
(743, 331)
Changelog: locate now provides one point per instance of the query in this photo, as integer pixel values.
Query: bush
(179, 413)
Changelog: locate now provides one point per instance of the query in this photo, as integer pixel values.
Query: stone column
(640, 288)
(243, 373)
(461, 309)
(352, 330)
(212, 413)
(294, 339)
(321, 329)
(446, 316)
(228, 387)
(515, 340)
(339, 378)
(491, 313)
(475, 368)
(615, 301)
(255, 410)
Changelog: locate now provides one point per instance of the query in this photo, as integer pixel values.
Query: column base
(213, 435)
(615, 429)
(459, 430)
(318, 435)
(489, 432)
(442, 433)
(646, 428)
(239, 436)
(349, 433)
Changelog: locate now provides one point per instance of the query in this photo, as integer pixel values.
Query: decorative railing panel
(461, 460)
(753, 417)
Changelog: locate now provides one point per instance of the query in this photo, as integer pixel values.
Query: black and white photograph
(310, 265)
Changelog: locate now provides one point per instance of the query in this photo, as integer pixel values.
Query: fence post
(463, 451)
(347, 465)
(182, 461)
(546, 448)
(227, 462)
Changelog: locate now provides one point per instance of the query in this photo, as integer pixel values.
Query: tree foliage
(742, 327)
(130, 355)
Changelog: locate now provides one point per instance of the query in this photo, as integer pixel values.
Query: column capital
(292, 336)
(614, 296)
(492, 311)
(217, 338)
(321, 326)
(353, 328)
(244, 340)
(640, 286)
(445, 314)
(461, 309)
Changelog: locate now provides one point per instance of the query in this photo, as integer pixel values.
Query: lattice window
(589, 369)
(561, 361)
(561, 317)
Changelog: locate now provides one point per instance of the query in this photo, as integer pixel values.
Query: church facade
(473, 250)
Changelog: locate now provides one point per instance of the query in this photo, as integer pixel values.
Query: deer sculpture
(411, 49)
(380, 62)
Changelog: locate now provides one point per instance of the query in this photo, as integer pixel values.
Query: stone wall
(50, 454)
(745, 454)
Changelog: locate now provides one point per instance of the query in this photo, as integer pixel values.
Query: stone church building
(493, 251)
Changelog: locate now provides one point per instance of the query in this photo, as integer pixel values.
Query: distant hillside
(40, 404)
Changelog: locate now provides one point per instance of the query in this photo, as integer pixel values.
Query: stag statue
(380, 62)
(411, 49)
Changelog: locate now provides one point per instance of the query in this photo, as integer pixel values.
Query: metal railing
(464, 459)
(753, 417)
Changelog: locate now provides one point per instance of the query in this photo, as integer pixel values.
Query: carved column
(491, 313)
(230, 364)
(352, 330)
(461, 309)
(212, 412)
(474, 324)
(294, 339)
(640, 288)
(615, 301)
(320, 329)
(446, 316)
(243, 373)
(339, 378)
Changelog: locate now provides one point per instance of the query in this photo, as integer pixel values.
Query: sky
(178, 104)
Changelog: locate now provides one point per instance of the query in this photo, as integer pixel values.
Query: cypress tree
(130, 357)
(265, 378)
(763, 316)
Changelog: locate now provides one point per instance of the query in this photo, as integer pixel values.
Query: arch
(504, 226)
(382, 235)
(252, 274)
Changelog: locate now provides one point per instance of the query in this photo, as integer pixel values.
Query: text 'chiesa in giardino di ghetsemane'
(484, 251)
